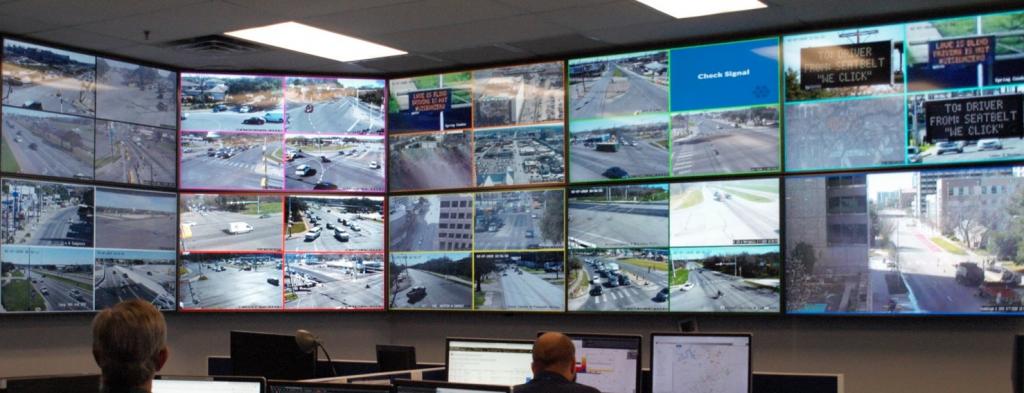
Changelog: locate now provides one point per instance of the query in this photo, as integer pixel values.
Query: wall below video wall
(904, 355)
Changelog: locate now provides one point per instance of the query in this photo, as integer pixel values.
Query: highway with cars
(646, 159)
(719, 147)
(345, 115)
(245, 170)
(210, 231)
(153, 283)
(335, 289)
(520, 289)
(370, 235)
(227, 120)
(722, 217)
(411, 232)
(715, 291)
(360, 169)
(62, 95)
(36, 155)
(59, 227)
(641, 294)
(231, 288)
(619, 224)
(127, 156)
(627, 94)
(440, 292)
(58, 291)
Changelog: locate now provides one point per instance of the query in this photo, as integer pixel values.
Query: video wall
(862, 171)
(483, 128)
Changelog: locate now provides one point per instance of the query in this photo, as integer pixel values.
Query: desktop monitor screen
(610, 363)
(54, 384)
(396, 357)
(718, 362)
(497, 362)
(208, 385)
(406, 386)
(320, 387)
(274, 356)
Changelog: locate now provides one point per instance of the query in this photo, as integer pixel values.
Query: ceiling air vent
(214, 45)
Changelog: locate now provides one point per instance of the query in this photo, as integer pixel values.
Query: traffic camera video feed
(430, 280)
(519, 281)
(430, 102)
(852, 134)
(334, 281)
(135, 274)
(725, 279)
(130, 219)
(135, 154)
(48, 144)
(430, 161)
(618, 85)
(232, 161)
(619, 279)
(522, 94)
(334, 105)
(619, 148)
(439, 222)
(223, 102)
(619, 216)
(137, 94)
(519, 155)
(334, 223)
(517, 220)
(727, 75)
(725, 213)
(726, 141)
(972, 51)
(922, 242)
(48, 79)
(965, 126)
(331, 163)
(231, 222)
(844, 63)
(41, 279)
(47, 214)
(230, 281)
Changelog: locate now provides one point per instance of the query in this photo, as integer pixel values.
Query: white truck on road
(239, 227)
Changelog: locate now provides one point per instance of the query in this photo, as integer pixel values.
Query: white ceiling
(436, 33)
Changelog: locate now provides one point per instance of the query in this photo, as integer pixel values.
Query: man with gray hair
(554, 367)
(129, 343)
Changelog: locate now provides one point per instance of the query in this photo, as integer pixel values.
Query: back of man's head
(554, 352)
(129, 343)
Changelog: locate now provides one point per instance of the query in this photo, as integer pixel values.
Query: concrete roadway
(526, 291)
(243, 171)
(348, 172)
(641, 95)
(633, 297)
(713, 150)
(61, 95)
(148, 162)
(56, 226)
(343, 115)
(737, 295)
(112, 287)
(59, 296)
(139, 231)
(235, 289)
(46, 159)
(441, 293)
(131, 104)
(646, 159)
(619, 224)
(370, 236)
(512, 235)
(206, 120)
(722, 223)
(345, 292)
(419, 235)
(1012, 148)
(210, 232)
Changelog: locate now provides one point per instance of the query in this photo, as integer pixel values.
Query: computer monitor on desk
(487, 361)
(610, 363)
(405, 386)
(54, 384)
(396, 357)
(178, 384)
(717, 362)
(273, 356)
(275, 386)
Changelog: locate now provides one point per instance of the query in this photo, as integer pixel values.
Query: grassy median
(17, 298)
(948, 246)
(679, 277)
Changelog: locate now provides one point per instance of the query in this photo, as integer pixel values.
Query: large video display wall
(876, 169)
(483, 128)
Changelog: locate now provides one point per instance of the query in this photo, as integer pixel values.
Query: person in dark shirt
(129, 343)
(554, 367)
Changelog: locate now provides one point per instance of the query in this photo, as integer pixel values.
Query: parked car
(615, 173)
(254, 121)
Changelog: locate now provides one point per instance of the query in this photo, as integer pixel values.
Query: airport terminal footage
(491, 127)
(72, 115)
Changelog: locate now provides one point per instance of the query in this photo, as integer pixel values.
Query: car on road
(529, 233)
(264, 215)
(32, 105)
(688, 286)
(239, 227)
(416, 292)
(44, 291)
(245, 109)
(374, 165)
(355, 228)
(219, 108)
(304, 170)
(309, 108)
(662, 295)
(340, 235)
(948, 147)
(615, 173)
(184, 115)
(324, 159)
(18, 139)
(313, 234)
(274, 117)
(330, 226)
(596, 290)
(623, 280)
(33, 146)
(913, 154)
(989, 144)
(77, 295)
(273, 281)
(254, 121)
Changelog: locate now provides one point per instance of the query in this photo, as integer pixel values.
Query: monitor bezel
(445, 384)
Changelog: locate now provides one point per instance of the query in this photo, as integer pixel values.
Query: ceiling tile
(310, 8)
(366, 23)
(70, 13)
(407, 63)
(17, 24)
(468, 35)
(573, 43)
(184, 22)
(548, 5)
(616, 14)
(81, 39)
(483, 54)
